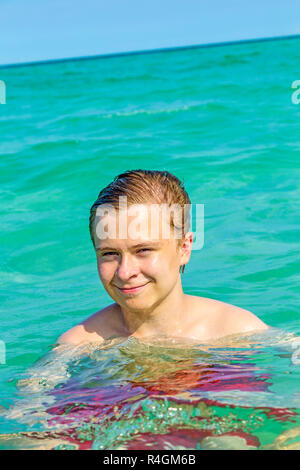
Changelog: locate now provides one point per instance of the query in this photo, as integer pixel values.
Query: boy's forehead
(142, 223)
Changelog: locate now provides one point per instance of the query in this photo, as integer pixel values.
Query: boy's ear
(186, 247)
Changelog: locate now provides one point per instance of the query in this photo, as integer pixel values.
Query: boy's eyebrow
(134, 246)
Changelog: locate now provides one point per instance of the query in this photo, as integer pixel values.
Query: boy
(140, 260)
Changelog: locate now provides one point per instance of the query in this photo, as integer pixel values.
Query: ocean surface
(223, 120)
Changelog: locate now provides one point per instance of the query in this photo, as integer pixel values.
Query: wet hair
(142, 187)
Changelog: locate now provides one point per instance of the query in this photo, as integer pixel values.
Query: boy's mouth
(129, 290)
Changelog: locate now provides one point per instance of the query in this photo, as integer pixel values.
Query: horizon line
(147, 51)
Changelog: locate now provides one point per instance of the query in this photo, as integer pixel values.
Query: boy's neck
(165, 319)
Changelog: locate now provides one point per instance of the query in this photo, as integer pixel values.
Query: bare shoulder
(239, 320)
(226, 319)
(98, 327)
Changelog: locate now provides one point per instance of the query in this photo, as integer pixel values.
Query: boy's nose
(127, 268)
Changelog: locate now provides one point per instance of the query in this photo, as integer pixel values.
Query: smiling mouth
(129, 290)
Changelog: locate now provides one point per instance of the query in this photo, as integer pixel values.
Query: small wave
(169, 110)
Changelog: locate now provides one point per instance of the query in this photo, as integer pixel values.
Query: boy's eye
(143, 250)
(110, 253)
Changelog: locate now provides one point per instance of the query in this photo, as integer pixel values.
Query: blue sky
(33, 30)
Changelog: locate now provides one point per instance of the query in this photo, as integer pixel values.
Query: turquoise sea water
(221, 119)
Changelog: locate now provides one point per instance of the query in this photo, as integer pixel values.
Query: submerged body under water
(240, 392)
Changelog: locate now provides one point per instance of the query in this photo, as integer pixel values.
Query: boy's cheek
(156, 265)
(104, 274)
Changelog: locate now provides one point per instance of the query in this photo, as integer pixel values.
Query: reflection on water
(161, 393)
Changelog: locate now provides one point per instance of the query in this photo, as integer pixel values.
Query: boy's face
(139, 270)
